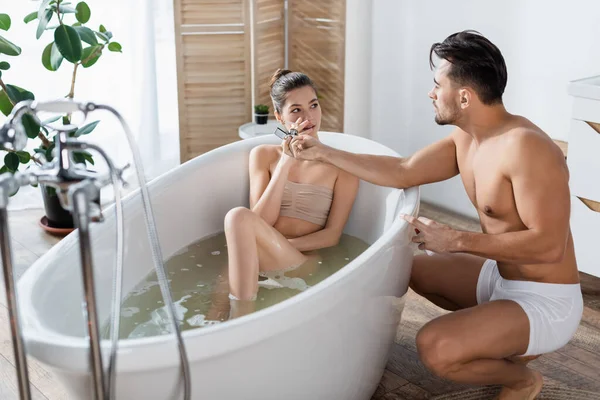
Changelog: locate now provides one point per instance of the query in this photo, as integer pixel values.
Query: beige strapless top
(305, 201)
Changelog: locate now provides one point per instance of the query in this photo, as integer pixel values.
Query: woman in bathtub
(295, 206)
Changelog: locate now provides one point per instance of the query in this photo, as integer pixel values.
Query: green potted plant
(76, 44)
(261, 113)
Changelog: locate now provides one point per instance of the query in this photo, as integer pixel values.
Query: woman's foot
(239, 308)
(528, 391)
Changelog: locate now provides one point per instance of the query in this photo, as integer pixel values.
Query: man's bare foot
(528, 392)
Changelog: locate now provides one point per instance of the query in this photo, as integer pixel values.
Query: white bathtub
(328, 343)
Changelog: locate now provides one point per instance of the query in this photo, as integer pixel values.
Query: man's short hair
(475, 62)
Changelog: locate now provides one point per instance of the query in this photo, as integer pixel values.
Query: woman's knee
(237, 216)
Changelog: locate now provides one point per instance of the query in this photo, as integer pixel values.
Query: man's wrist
(462, 242)
(324, 153)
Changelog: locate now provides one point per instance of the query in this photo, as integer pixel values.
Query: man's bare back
(485, 172)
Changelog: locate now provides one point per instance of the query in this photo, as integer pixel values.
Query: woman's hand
(299, 126)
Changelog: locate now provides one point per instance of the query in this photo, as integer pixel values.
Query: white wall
(545, 44)
(358, 55)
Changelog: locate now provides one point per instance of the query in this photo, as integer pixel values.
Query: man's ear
(465, 98)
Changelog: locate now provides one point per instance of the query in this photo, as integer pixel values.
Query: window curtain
(140, 82)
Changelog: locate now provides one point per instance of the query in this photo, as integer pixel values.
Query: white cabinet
(583, 160)
(585, 227)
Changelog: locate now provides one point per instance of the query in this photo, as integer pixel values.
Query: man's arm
(541, 192)
(433, 163)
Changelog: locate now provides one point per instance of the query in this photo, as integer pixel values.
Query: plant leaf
(55, 57)
(88, 157)
(51, 57)
(30, 17)
(3, 170)
(78, 157)
(8, 48)
(87, 52)
(46, 17)
(31, 125)
(83, 12)
(114, 46)
(4, 22)
(43, 6)
(69, 43)
(24, 157)
(82, 157)
(11, 161)
(5, 104)
(102, 36)
(87, 35)
(18, 94)
(50, 120)
(66, 9)
(102, 28)
(84, 130)
(4, 65)
(48, 152)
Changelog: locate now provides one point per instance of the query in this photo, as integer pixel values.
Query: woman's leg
(254, 244)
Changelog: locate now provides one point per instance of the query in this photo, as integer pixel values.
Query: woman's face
(301, 103)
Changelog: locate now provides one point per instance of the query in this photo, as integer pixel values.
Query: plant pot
(57, 216)
(261, 119)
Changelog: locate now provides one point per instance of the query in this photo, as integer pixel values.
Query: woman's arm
(266, 191)
(344, 194)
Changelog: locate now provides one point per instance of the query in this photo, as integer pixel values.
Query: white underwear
(554, 310)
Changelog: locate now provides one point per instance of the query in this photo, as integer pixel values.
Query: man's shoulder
(526, 139)
(525, 146)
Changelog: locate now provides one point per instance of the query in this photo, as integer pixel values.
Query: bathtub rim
(37, 335)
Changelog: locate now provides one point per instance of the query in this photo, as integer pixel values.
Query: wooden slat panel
(211, 11)
(269, 46)
(215, 63)
(317, 48)
(213, 72)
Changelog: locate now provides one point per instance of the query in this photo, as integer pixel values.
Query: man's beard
(448, 119)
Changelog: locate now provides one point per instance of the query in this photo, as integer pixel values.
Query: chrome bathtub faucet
(76, 189)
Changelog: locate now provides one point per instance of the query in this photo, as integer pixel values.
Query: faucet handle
(120, 172)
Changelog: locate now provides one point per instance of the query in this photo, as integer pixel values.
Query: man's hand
(432, 235)
(307, 147)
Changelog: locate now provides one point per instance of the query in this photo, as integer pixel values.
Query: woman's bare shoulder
(265, 153)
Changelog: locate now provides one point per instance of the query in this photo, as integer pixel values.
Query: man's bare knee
(438, 352)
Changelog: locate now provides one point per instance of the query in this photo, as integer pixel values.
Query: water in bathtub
(198, 279)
